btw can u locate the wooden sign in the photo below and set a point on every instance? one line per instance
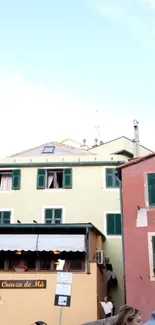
(22, 284)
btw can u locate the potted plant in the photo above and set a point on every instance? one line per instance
(20, 268)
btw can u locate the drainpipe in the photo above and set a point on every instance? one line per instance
(122, 221)
(87, 250)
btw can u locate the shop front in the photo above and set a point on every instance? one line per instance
(31, 256)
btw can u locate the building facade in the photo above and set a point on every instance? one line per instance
(55, 183)
(31, 256)
(138, 205)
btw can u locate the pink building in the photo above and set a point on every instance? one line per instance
(138, 211)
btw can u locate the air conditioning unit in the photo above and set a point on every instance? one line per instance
(100, 257)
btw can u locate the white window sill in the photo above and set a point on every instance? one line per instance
(113, 236)
(54, 190)
(10, 191)
(110, 188)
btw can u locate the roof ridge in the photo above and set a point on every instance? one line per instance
(123, 136)
(70, 139)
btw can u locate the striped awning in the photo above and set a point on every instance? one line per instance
(60, 243)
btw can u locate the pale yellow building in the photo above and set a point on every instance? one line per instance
(56, 183)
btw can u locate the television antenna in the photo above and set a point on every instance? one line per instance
(97, 127)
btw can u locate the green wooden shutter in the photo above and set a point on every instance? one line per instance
(110, 224)
(41, 178)
(16, 175)
(67, 178)
(57, 215)
(118, 224)
(151, 189)
(6, 217)
(48, 216)
(153, 250)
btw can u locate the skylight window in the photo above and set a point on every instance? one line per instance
(48, 149)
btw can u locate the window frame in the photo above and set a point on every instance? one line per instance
(43, 172)
(11, 214)
(15, 174)
(48, 152)
(105, 180)
(53, 207)
(146, 190)
(83, 267)
(105, 224)
(150, 253)
(47, 174)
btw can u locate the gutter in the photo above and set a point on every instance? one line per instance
(46, 226)
(87, 251)
(123, 249)
(61, 164)
(119, 175)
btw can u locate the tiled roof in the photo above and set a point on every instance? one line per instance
(59, 150)
(136, 160)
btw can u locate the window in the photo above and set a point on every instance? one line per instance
(48, 149)
(15, 259)
(153, 250)
(9, 180)
(2, 260)
(42, 261)
(114, 224)
(65, 261)
(5, 217)
(54, 178)
(151, 189)
(76, 265)
(111, 178)
(53, 216)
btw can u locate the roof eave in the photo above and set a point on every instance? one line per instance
(66, 228)
(60, 164)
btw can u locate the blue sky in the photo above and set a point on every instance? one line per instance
(60, 61)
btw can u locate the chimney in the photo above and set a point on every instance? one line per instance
(96, 142)
(136, 148)
(84, 142)
(84, 145)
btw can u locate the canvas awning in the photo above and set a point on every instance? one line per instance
(61, 243)
(18, 242)
(42, 243)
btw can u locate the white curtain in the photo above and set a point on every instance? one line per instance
(6, 183)
(56, 185)
(50, 180)
(52, 177)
